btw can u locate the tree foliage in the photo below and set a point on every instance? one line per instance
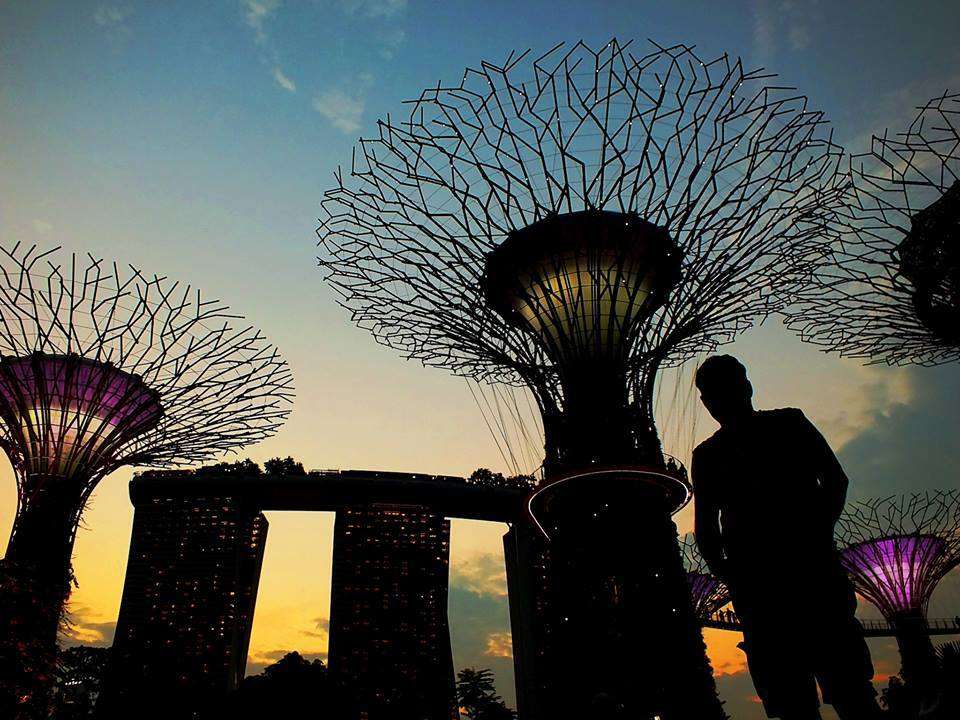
(283, 466)
(478, 697)
(292, 686)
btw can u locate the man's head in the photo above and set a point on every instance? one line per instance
(724, 388)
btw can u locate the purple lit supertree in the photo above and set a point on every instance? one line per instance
(707, 591)
(103, 366)
(570, 224)
(890, 291)
(896, 549)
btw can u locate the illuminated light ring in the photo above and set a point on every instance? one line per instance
(677, 487)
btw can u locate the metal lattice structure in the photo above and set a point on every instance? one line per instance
(707, 591)
(739, 172)
(891, 290)
(896, 549)
(103, 366)
(571, 223)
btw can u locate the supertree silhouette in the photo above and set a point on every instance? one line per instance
(896, 549)
(103, 366)
(571, 223)
(890, 291)
(707, 591)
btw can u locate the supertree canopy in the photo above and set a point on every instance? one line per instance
(896, 550)
(571, 223)
(103, 366)
(707, 591)
(890, 292)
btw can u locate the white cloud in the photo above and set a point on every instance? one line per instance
(112, 20)
(499, 645)
(374, 8)
(344, 111)
(484, 574)
(42, 227)
(764, 31)
(283, 81)
(255, 14)
(111, 16)
(391, 40)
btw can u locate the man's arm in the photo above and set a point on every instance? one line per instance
(707, 515)
(833, 480)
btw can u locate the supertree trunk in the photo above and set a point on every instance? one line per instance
(35, 588)
(918, 659)
(629, 643)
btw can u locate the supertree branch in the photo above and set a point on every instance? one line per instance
(740, 172)
(707, 592)
(898, 548)
(219, 383)
(890, 290)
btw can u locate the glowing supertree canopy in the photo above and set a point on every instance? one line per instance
(890, 292)
(103, 366)
(897, 549)
(571, 223)
(897, 574)
(68, 416)
(707, 591)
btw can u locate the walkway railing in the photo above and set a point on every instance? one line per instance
(728, 620)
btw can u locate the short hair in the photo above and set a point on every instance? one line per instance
(720, 369)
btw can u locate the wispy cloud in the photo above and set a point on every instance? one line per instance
(499, 645)
(84, 626)
(257, 14)
(321, 629)
(483, 574)
(786, 23)
(374, 8)
(283, 81)
(344, 108)
(391, 40)
(42, 227)
(112, 18)
(111, 15)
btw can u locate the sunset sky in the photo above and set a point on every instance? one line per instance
(195, 140)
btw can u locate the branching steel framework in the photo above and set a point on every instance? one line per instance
(891, 290)
(738, 170)
(898, 548)
(707, 591)
(571, 223)
(103, 366)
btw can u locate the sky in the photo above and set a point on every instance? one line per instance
(196, 140)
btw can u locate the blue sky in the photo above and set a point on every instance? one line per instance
(195, 140)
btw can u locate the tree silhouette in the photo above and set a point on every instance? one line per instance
(293, 684)
(284, 466)
(78, 676)
(238, 468)
(488, 478)
(478, 697)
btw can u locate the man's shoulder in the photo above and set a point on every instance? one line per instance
(783, 416)
(706, 446)
(778, 416)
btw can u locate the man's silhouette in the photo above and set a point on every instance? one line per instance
(768, 492)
